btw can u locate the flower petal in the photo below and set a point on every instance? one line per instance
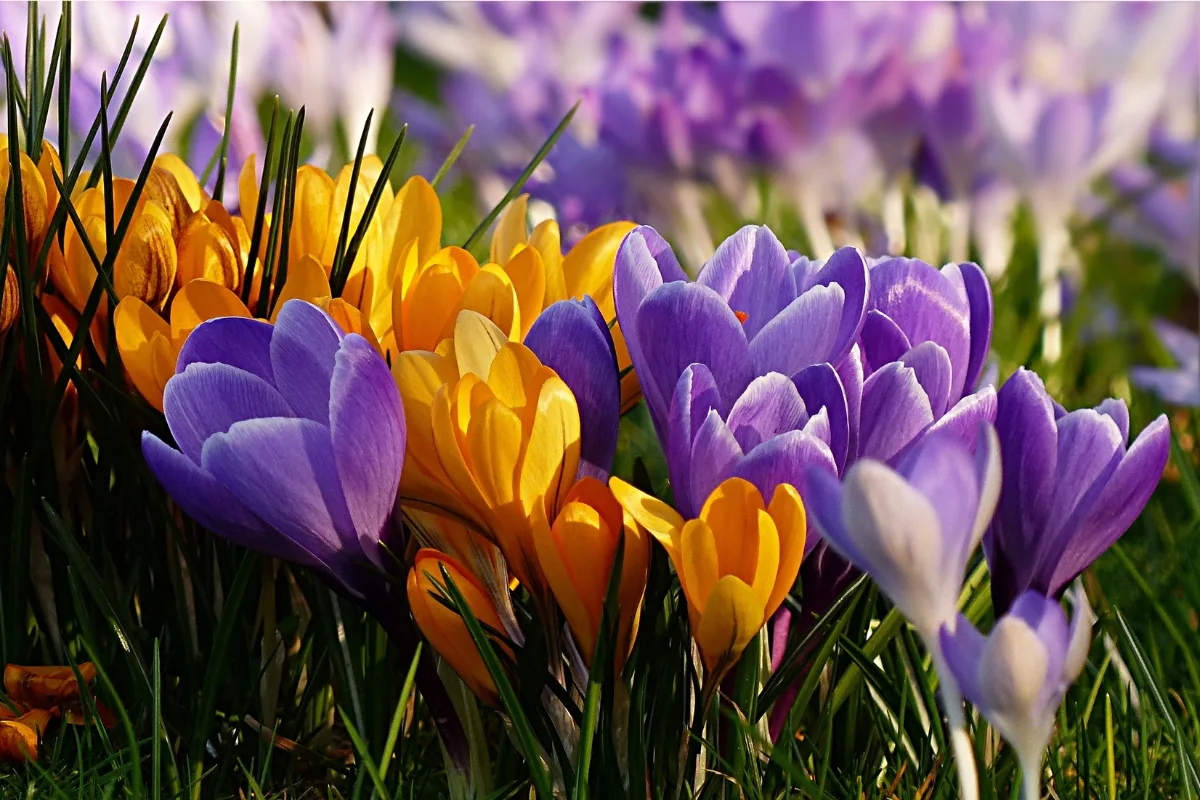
(304, 346)
(750, 270)
(895, 410)
(236, 341)
(821, 388)
(882, 340)
(731, 618)
(572, 339)
(932, 367)
(802, 334)
(714, 453)
(979, 299)
(769, 406)
(695, 396)
(847, 268)
(366, 426)
(662, 521)
(206, 399)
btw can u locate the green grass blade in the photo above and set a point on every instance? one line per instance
(261, 207)
(452, 159)
(516, 188)
(223, 158)
(364, 222)
(340, 271)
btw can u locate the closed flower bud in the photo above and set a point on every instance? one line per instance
(163, 189)
(33, 196)
(146, 264)
(444, 627)
(207, 251)
(577, 555)
(10, 306)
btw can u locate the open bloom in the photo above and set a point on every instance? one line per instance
(498, 437)
(443, 626)
(577, 554)
(913, 528)
(1017, 675)
(749, 312)
(736, 561)
(1071, 488)
(769, 436)
(291, 440)
(923, 345)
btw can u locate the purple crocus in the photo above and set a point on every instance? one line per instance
(913, 528)
(768, 437)
(1017, 676)
(749, 312)
(291, 440)
(923, 345)
(1071, 488)
(572, 338)
(1180, 385)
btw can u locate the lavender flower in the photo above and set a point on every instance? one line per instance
(1071, 488)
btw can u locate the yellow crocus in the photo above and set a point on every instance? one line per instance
(146, 264)
(576, 554)
(736, 562)
(444, 627)
(493, 438)
(34, 199)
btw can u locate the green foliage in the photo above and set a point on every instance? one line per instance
(210, 703)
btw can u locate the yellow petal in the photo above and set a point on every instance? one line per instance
(634, 571)
(492, 294)
(248, 191)
(163, 189)
(588, 268)
(477, 340)
(577, 558)
(731, 619)
(546, 240)
(305, 281)
(731, 510)
(699, 570)
(145, 266)
(787, 510)
(10, 306)
(206, 251)
(48, 166)
(185, 178)
(199, 301)
(311, 222)
(551, 459)
(766, 566)
(495, 438)
(662, 521)
(79, 264)
(516, 376)
(351, 320)
(136, 326)
(447, 446)
(511, 230)
(528, 278)
(433, 299)
(34, 198)
(416, 214)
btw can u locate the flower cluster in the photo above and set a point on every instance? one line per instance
(800, 404)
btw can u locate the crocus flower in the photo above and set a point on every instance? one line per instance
(291, 440)
(444, 627)
(736, 560)
(1071, 487)
(768, 437)
(55, 690)
(577, 554)
(924, 342)
(498, 437)
(913, 528)
(19, 735)
(1180, 385)
(1017, 675)
(36, 198)
(749, 312)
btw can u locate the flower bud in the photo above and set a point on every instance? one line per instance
(33, 197)
(146, 264)
(443, 627)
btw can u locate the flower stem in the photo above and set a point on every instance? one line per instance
(1030, 778)
(1053, 239)
(964, 752)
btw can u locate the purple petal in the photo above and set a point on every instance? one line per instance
(962, 651)
(932, 366)
(979, 299)
(714, 452)
(1116, 409)
(689, 324)
(788, 458)
(1120, 503)
(942, 469)
(284, 470)
(572, 338)
(644, 262)
(303, 349)
(821, 388)
(882, 341)
(964, 418)
(750, 270)
(894, 412)
(236, 341)
(213, 506)
(769, 406)
(823, 502)
(695, 396)
(847, 269)
(1089, 444)
(209, 398)
(850, 373)
(802, 334)
(366, 421)
(925, 304)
